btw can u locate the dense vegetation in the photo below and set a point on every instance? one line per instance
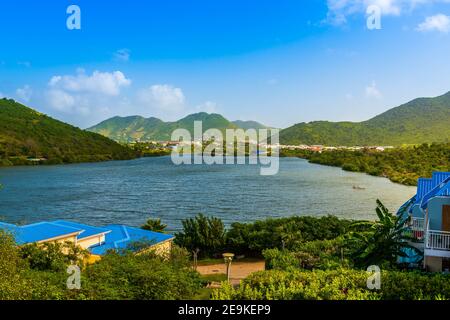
(209, 236)
(306, 258)
(422, 120)
(202, 234)
(303, 241)
(336, 269)
(35, 272)
(340, 284)
(284, 233)
(402, 165)
(151, 149)
(129, 129)
(26, 133)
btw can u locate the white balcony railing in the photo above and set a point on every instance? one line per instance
(438, 240)
(418, 228)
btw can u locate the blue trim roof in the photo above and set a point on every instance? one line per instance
(117, 237)
(442, 189)
(436, 186)
(121, 237)
(41, 231)
(424, 186)
(439, 177)
(86, 231)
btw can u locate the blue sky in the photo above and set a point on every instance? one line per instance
(277, 62)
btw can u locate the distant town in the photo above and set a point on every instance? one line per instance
(314, 148)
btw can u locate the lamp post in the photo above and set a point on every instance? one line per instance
(228, 257)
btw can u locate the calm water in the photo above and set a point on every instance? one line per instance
(128, 192)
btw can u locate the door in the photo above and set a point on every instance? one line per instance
(446, 218)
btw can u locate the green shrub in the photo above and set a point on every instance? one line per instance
(204, 233)
(287, 233)
(140, 277)
(50, 256)
(342, 284)
(280, 259)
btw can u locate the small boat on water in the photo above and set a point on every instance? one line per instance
(358, 188)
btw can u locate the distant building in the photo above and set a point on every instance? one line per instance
(429, 211)
(97, 240)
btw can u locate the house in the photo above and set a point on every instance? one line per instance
(121, 237)
(429, 212)
(97, 240)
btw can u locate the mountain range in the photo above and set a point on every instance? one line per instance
(26, 133)
(423, 120)
(137, 128)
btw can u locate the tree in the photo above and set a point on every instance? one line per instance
(154, 225)
(204, 233)
(385, 241)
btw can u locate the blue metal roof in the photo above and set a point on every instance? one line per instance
(443, 189)
(41, 231)
(86, 231)
(424, 186)
(121, 237)
(116, 236)
(439, 177)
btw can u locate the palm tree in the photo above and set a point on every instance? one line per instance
(385, 240)
(154, 225)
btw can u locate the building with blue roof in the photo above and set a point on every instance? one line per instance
(429, 210)
(41, 232)
(98, 240)
(124, 238)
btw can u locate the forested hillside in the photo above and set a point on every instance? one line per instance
(423, 120)
(26, 133)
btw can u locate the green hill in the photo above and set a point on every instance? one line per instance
(26, 133)
(249, 125)
(127, 129)
(419, 121)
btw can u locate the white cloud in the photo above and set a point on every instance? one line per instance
(208, 106)
(373, 92)
(163, 96)
(60, 100)
(339, 10)
(80, 94)
(107, 83)
(24, 94)
(122, 55)
(439, 22)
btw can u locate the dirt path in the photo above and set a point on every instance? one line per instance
(239, 270)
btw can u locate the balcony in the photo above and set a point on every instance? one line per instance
(437, 241)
